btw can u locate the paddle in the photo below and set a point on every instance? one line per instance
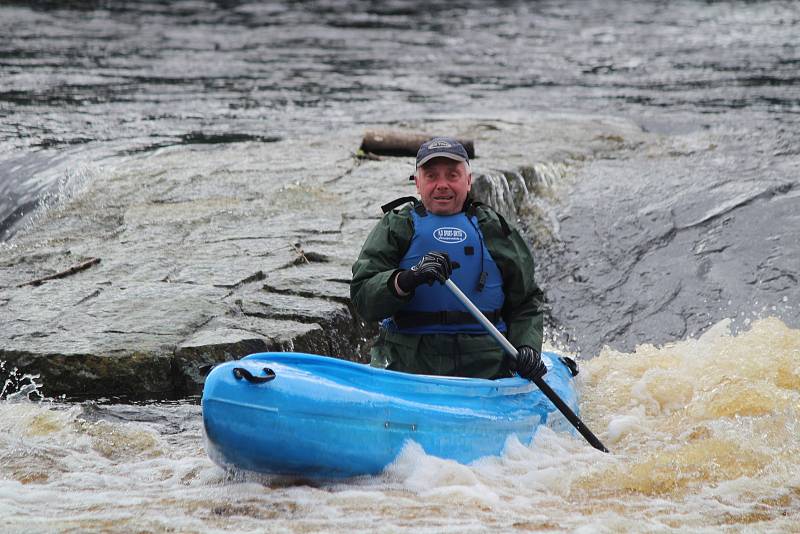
(512, 351)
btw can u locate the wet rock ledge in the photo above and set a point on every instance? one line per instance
(196, 255)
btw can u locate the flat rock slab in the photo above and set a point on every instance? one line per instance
(186, 239)
(312, 279)
(291, 307)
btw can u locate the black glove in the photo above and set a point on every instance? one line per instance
(529, 363)
(432, 267)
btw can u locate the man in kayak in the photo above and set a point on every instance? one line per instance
(445, 234)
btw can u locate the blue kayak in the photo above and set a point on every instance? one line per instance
(313, 416)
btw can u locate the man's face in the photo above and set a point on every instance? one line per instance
(443, 184)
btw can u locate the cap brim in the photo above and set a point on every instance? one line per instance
(449, 155)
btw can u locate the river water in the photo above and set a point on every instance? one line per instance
(704, 438)
(678, 254)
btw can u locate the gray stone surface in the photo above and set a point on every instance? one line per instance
(231, 338)
(208, 253)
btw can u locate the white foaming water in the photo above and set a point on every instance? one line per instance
(704, 437)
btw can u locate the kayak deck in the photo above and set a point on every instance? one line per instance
(325, 417)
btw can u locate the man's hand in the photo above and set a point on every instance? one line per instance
(432, 267)
(529, 363)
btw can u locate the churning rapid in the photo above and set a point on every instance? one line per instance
(656, 153)
(704, 433)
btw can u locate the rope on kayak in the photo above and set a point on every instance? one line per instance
(241, 372)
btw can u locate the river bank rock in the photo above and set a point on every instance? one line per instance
(210, 253)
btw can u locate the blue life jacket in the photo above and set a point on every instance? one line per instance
(434, 309)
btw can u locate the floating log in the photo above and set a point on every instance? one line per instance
(394, 143)
(72, 270)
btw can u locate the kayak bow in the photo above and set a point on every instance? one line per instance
(320, 417)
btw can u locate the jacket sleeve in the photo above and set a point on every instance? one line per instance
(379, 259)
(523, 307)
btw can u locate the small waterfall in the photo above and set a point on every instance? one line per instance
(545, 175)
(494, 190)
(526, 193)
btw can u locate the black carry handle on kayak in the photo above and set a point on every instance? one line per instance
(512, 351)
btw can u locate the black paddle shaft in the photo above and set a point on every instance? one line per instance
(512, 351)
(570, 415)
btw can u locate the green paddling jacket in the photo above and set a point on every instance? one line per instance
(477, 356)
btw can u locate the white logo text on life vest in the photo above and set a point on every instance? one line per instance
(449, 235)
